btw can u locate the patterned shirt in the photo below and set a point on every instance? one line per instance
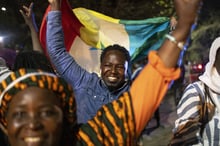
(113, 125)
(192, 117)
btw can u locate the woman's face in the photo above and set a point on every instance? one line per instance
(34, 118)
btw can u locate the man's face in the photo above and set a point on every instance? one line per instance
(113, 69)
(34, 118)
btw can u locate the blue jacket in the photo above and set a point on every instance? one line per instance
(90, 90)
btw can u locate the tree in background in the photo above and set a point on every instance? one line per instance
(208, 29)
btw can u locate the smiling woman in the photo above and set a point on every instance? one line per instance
(36, 108)
(34, 118)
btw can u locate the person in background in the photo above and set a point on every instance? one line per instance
(178, 85)
(33, 58)
(9, 56)
(29, 17)
(4, 72)
(30, 121)
(4, 69)
(198, 110)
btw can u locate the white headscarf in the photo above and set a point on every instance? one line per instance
(211, 77)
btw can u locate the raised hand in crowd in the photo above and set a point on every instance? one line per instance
(29, 17)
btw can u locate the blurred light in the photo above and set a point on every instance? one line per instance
(3, 8)
(1, 39)
(199, 66)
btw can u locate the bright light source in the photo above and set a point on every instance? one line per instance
(199, 66)
(1, 39)
(3, 8)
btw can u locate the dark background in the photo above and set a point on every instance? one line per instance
(16, 33)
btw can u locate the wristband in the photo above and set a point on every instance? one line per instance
(171, 38)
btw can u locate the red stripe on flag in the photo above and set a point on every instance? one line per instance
(71, 25)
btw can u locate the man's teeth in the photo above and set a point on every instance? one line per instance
(112, 78)
(32, 139)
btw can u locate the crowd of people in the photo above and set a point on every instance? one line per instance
(54, 101)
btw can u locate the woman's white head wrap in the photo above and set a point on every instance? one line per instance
(211, 77)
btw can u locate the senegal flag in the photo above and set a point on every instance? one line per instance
(88, 32)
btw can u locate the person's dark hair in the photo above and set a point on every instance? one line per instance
(32, 60)
(3, 138)
(118, 48)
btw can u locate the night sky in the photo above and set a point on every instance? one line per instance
(11, 19)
